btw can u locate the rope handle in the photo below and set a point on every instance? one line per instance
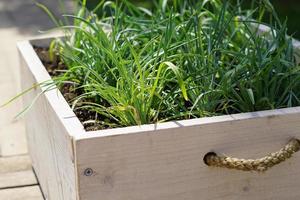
(259, 165)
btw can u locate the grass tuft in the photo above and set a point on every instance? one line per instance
(178, 60)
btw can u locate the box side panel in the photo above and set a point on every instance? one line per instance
(50, 144)
(296, 45)
(168, 164)
(263, 29)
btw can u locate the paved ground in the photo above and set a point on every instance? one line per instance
(19, 20)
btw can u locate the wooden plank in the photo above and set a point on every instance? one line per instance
(23, 193)
(16, 179)
(12, 132)
(15, 163)
(49, 138)
(167, 163)
(148, 162)
(16, 171)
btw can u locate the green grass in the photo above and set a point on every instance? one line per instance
(178, 60)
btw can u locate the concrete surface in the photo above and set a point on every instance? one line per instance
(19, 20)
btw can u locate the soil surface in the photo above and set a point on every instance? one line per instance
(56, 67)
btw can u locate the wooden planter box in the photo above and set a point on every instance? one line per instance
(153, 162)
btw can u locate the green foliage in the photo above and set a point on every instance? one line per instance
(178, 60)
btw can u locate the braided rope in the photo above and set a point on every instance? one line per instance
(260, 165)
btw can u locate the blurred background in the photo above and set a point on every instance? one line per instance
(287, 9)
(22, 19)
(19, 20)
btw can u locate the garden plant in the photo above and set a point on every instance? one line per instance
(143, 102)
(177, 59)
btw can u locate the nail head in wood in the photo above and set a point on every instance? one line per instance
(88, 172)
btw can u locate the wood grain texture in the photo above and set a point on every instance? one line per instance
(16, 171)
(22, 193)
(153, 162)
(15, 163)
(49, 130)
(15, 179)
(167, 163)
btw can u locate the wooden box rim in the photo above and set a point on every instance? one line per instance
(75, 128)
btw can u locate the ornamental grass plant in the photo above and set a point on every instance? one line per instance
(178, 59)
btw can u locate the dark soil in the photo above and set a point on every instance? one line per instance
(55, 68)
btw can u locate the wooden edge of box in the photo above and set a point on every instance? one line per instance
(54, 96)
(51, 142)
(168, 162)
(80, 137)
(76, 129)
(190, 122)
(205, 120)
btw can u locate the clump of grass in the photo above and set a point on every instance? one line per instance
(178, 60)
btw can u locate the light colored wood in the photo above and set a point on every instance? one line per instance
(22, 193)
(15, 179)
(16, 171)
(12, 132)
(167, 163)
(50, 128)
(160, 162)
(15, 163)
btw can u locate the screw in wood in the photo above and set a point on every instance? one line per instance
(88, 172)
